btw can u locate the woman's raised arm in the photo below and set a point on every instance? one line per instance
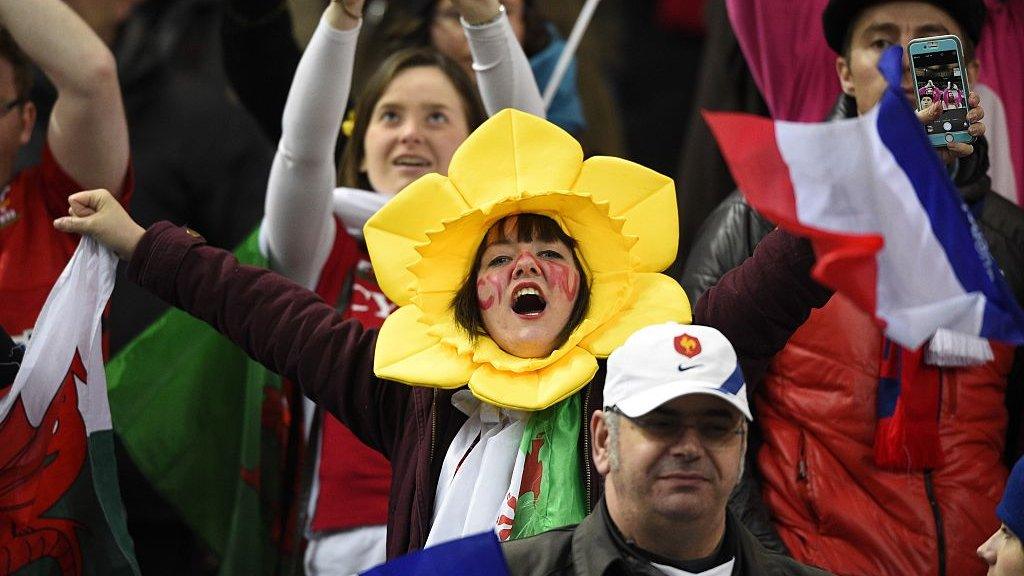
(298, 228)
(502, 70)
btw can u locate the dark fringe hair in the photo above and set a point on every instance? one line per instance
(466, 306)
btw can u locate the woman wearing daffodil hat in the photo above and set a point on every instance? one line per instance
(516, 275)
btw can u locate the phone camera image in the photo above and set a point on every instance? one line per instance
(940, 79)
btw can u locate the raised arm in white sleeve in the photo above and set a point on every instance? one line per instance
(503, 73)
(298, 228)
(87, 130)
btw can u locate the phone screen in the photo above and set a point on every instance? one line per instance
(940, 78)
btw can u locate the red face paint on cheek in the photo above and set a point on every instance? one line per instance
(489, 289)
(483, 295)
(563, 277)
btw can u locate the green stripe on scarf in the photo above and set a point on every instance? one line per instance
(551, 445)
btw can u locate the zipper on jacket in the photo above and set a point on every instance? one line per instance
(801, 464)
(586, 444)
(433, 427)
(937, 514)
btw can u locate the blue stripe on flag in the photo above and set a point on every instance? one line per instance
(888, 393)
(966, 249)
(478, 555)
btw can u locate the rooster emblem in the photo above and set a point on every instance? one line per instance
(687, 345)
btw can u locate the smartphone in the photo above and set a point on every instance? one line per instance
(940, 75)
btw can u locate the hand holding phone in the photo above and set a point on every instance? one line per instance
(940, 78)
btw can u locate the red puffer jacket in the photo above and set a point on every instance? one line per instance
(832, 506)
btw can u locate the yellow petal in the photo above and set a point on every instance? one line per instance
(609, 293)
(513, 152)
(406, 352)
(486, 351)
(641, 196)
(396, 230)
(534, 390)
(656, 298)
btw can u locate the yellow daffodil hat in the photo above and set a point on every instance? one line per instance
(423, 241)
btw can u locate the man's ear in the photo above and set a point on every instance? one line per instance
(600, 448)
(28, 122)
(845, 76)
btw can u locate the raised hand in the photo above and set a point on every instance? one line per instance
(975, 115)
(477, 11)
(345, 14)
(98, 214)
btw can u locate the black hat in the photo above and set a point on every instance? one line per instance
(841, 14)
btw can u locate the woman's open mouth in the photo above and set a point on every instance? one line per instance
(411, 161)
(528, 301)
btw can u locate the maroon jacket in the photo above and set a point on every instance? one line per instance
(294, 333)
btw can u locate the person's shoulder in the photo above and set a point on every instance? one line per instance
(545, 554)
(998, 205)
(1003, 217)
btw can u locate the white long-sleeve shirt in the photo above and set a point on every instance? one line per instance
(298, 229)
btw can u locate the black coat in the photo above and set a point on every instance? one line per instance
(589, 549)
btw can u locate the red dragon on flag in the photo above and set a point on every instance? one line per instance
(38, 464)
(60, 505)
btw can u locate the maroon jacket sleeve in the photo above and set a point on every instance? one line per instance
(760, 303)
(282, 325)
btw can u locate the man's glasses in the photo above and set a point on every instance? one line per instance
(715, 431)
(5, 109)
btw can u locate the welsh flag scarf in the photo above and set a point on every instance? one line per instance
(550, 490)
(513, 472)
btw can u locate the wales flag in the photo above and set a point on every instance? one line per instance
(213, 432)
(60, 507)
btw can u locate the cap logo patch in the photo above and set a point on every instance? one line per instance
(687, 345)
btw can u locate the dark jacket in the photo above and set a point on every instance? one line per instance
(10, 360)
(590, 549)
(293, 332)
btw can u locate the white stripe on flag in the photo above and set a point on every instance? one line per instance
(846, 181)
(70, 320)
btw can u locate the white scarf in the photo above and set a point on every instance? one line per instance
(355, 207)
(479, 470)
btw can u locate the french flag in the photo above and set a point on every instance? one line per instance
(888, 227)
(477, 555)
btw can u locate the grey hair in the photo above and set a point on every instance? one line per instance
(743, 458)
(611, 420)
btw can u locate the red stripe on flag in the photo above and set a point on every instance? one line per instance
(749, 147)
(845, 262)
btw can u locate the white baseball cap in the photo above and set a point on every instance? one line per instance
(663, 362)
